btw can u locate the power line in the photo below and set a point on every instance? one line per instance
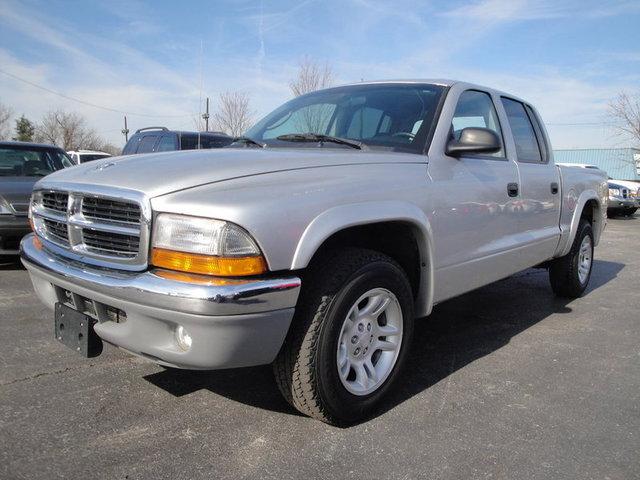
(83, 102)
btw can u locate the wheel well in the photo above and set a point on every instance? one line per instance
(588, 211)
(395, 239)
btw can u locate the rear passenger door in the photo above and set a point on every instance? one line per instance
(539, 210)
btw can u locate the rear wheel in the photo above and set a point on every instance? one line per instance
(630, 211)
(569, 275)
(349, 337)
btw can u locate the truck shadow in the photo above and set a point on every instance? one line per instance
(458, 332)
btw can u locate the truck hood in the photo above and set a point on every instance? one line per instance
(162, 173)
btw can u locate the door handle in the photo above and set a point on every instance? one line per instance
(554, 188)
(512, 189)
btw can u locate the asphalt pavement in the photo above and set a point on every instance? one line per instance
(505, 382)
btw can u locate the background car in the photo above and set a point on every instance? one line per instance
(161, 139)
(634, 189)
(82, 156)
(620, 200)
(21, 166)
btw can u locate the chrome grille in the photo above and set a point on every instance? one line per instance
(56, 201)
(107, 243)
(104, 227)
(57, 231)
(111, 210)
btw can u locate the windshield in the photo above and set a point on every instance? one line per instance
(36, 162)
(387, 116)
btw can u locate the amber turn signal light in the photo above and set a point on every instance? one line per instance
(207, 264)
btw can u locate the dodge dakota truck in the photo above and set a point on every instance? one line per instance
(315, 241)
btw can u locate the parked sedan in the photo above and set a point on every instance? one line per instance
(21, 166)
(621, 202)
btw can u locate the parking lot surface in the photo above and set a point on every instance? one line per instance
(504, 382)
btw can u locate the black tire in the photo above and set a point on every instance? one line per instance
(563, 271)
(306, 369)
(629, 212)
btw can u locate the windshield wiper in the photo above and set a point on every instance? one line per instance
(249, 141)
(317, 137)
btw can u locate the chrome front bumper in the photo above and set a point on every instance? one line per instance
(232, 322)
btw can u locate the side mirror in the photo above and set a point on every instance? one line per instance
(474, 140)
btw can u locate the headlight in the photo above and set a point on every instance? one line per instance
(614, 192)
(205, 246)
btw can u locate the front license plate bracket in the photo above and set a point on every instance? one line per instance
(75, 330)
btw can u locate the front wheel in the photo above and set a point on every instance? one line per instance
(349, 337)
(569, 275)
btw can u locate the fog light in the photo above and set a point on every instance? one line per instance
(183, 338)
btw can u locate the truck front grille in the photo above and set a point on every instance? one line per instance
(57, 231)
(111, 210)
(106, 243)
(108, 231)
(56, 201)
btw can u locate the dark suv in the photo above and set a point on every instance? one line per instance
(161, 139)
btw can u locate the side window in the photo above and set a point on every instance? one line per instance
(524, 136)
(167, 143)
(188, 142)
(476, 109)
(537, 126)
(147, 143)
(131, 145)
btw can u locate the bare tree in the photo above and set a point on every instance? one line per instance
(67, 130)
(5, 121)
(234, 115)
(312, 76)
(625, 111)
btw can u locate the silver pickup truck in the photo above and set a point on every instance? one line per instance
(315, 241)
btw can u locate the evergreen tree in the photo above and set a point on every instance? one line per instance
(24, 129)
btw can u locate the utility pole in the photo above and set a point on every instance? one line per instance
(205, 115)
(125, 130)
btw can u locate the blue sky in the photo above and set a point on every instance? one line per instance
(158, 58)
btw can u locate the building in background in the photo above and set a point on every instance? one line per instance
(619, 163)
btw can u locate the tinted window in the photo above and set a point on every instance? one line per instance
(214, 142)
(89, 157)
(537, 126)
(380, 116)
(147, 143)
(18, 162)
(524, 136)
(167, 143)
(476, 109)
(188, 142)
